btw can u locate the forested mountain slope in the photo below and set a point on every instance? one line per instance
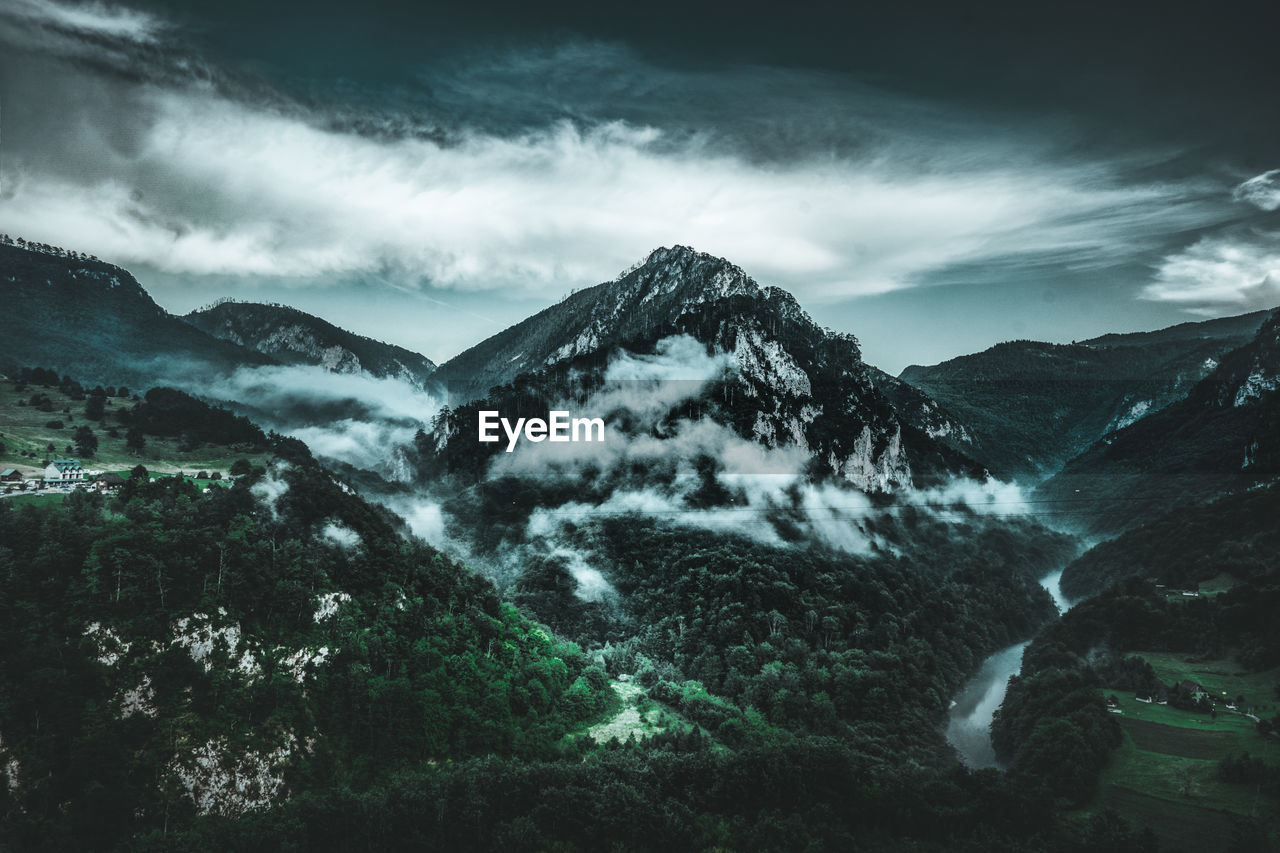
(294, 337)
(1032, 406)
(1224, 435)
(169, 655)
(94, 321)
(1236, 535)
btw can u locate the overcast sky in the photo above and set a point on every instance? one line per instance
(933, 179)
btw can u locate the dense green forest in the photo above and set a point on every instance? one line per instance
(184, 670)
(806, 795)
(279, 665)
(824, 642)
(1235, 534)
(165, 647)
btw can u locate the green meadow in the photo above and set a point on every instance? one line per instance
(1164, 774)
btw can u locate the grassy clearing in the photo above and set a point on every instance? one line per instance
(639, 717)
(1165, 715)
(1177, 740)
(26, 437)
(45, 499)
(1222, 677)
(1217, 585)
(1164, 774)
(1185, 781)
(1177, 826)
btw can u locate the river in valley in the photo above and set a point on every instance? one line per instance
(969, 720)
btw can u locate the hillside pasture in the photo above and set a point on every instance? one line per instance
(25, 438)
(1176, 825)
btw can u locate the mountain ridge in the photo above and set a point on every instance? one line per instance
(94, 320)
(293, 336)
(1229, 327)
(1034, 405)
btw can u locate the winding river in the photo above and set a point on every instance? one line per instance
(969, 720)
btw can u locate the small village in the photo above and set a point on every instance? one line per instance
(58, 436)
(1187, 695)
(59, 475)
(63, 476)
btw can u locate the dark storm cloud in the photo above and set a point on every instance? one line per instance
(1137, 69)
(835, 153)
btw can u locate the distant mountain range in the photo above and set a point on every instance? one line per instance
(1223, 434)
(1234, 330)
(1192, 401)
(1032, 406)
(95, 321)
(294, 337)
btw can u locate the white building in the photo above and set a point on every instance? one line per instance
(63, 472)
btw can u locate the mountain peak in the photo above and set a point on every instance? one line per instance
(790, 382)
(685, 265)
(672, 290)
(677, 253)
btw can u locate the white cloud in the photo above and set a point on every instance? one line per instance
(1217, 272)
(653, 471)
(106, 20)
(679, 358)
(353, 417)
(988, 497)
(590, 582)
(423, 515)
(341, 535)
(272, 487)
(212, 187)
(1262, 191)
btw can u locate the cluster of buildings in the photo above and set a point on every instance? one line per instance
(66, 474)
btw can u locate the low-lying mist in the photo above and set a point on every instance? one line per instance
(547, 501)
(356, 419)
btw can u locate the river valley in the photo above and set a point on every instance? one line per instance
(969, 720)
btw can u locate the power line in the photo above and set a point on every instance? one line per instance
(1076, 507)
(955, 505)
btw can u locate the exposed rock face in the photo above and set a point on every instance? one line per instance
(227, 782)
(792, 383)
